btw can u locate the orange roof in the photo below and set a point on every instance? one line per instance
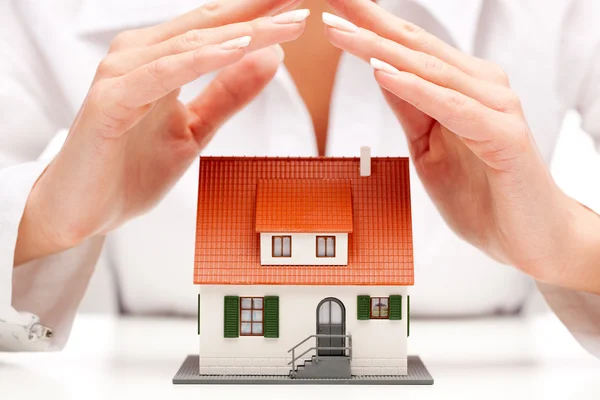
(304, 205)
(380, 247)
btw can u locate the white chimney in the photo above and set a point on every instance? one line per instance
(365, 161)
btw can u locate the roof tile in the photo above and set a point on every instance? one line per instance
(304, 205)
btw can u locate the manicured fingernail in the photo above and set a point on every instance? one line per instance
(291, 17)
(279, 51)
(339, 23)
(383, 66)
(238, 43)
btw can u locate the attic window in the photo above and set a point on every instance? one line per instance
(326, 246)
(282, 246)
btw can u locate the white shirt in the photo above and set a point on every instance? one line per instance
(48, 55)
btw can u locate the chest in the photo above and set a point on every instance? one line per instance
(312, 63)
(340, 93)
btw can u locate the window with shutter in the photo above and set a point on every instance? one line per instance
(271, 316)
(395, 307)
(231, 317)
(363, 305)
(252, 316)
(380, 308)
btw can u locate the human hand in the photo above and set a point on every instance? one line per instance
(472, 147)
(132, 139)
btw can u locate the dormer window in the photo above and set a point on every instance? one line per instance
(314, 214)
(326, 246)
(282, 246)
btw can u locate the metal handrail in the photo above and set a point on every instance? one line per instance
(300, 356)
(317, 348)
(318, 336)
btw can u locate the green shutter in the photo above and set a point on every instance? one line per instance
(408, 316)
(198, 314)
(271, 316)
(231, 317)
(395, 307)
(363, 307)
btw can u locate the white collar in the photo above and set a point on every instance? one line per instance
(459, 17)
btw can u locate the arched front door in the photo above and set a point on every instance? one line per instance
(331, 320)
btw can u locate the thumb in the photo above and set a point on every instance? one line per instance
(232, 89)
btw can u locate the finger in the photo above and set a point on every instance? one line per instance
(295, 4)
(495, 138)
(153, 81)
(231, 90)
(213, 14)
(369, 15)
(460, 114)
(366, 45)
(265, 32)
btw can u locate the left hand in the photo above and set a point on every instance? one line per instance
(472, 146)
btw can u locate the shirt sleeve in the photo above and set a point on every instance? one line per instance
(579, 76)
(37, 300)
(48, 290)
(580, 89)
(579, 312)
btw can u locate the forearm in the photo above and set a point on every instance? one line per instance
(31, 243)
(36, 238)
(49, 287)
(578, 267)
(587, 264)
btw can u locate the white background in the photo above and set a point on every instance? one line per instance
(576, 164)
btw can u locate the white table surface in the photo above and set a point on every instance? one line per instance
(134, 358)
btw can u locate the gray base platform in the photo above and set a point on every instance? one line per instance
(188, 375)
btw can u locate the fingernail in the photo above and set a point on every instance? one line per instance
(291, 17)
(279, 51)
(238, 43)
(383, 66)
(339, 23)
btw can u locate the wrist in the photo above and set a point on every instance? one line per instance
(578, 250)
(37, 235)
(587, 263)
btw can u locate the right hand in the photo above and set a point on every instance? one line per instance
(132, 139)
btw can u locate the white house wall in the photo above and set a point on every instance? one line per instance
(304, 249)
(379, 346)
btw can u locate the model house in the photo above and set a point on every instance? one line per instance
(303, 266)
